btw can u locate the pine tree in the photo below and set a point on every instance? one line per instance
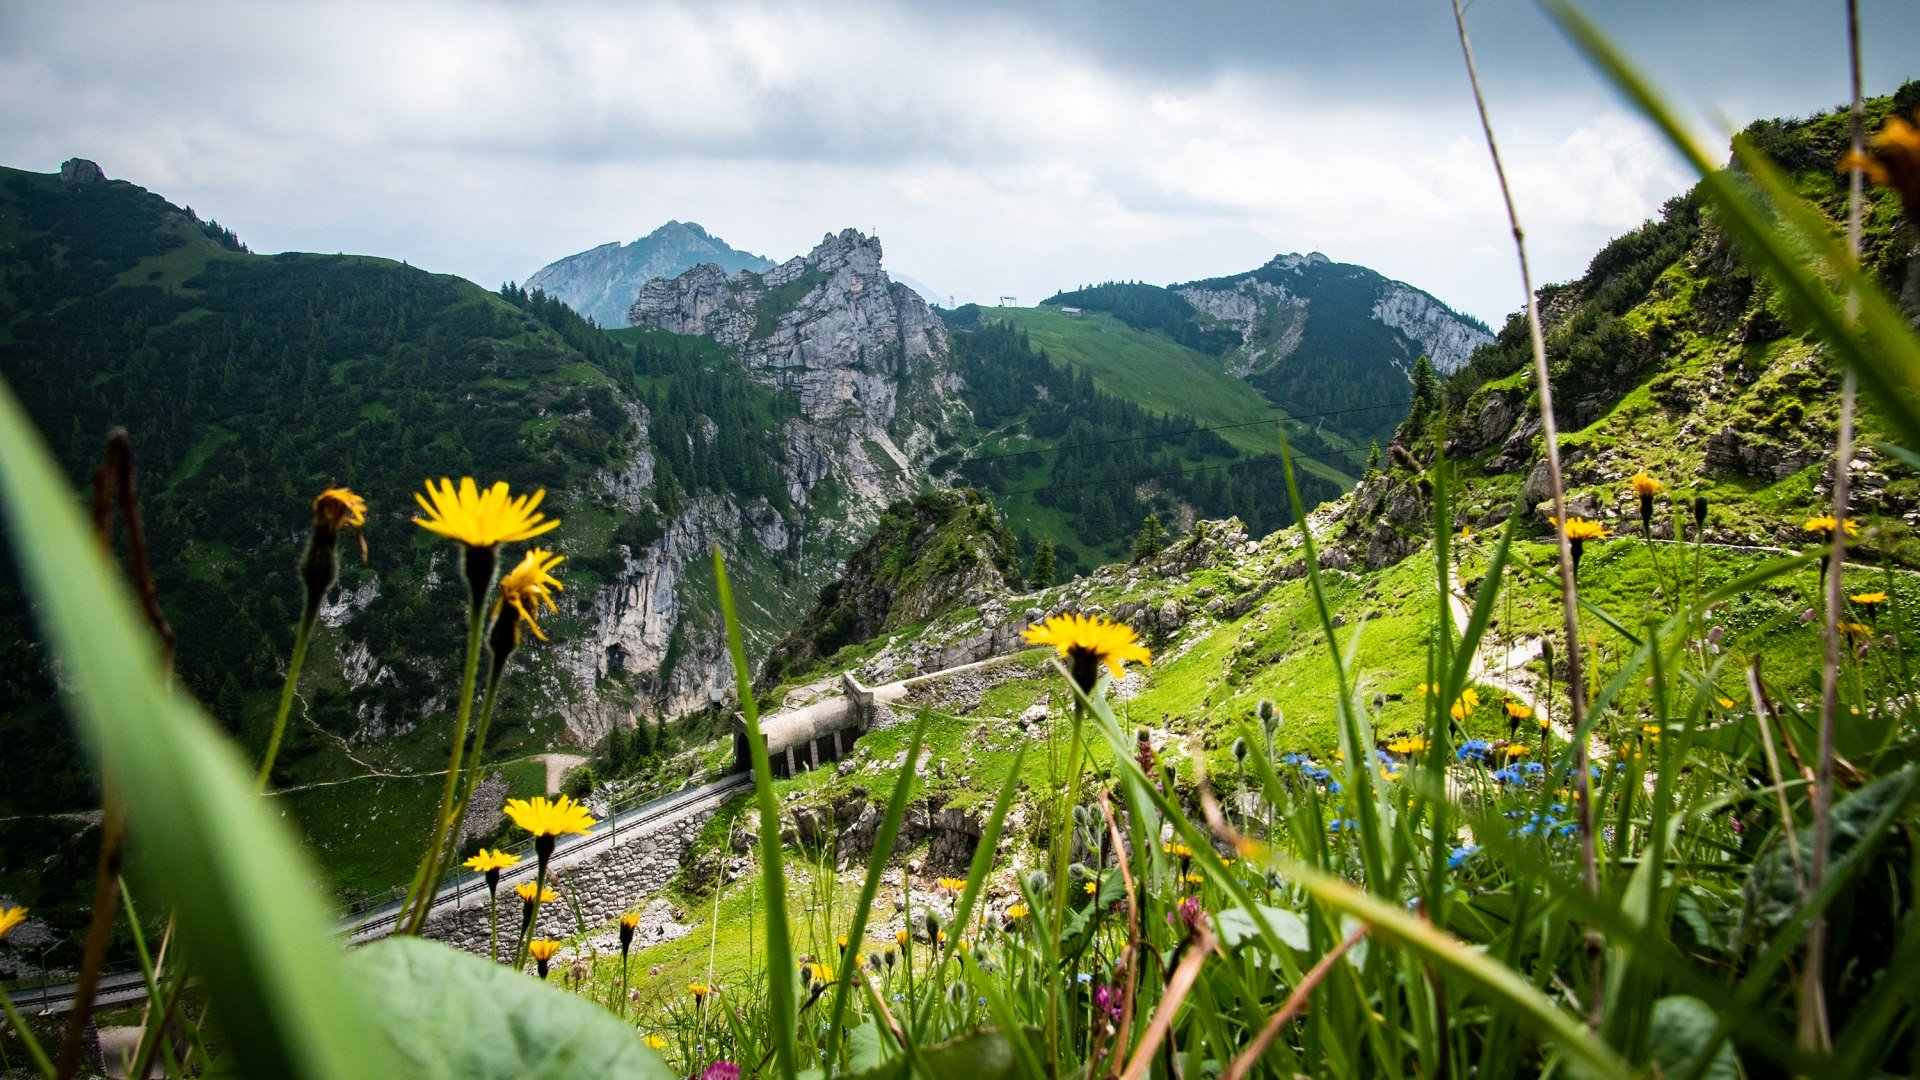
(1426, 388)
(1150, 539)
(1041, 576)
(1373, 460)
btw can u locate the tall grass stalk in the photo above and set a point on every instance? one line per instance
(1815, 1028)
(780, 967)
(1550, 440)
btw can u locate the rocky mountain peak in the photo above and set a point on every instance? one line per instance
(601, 282)
(81, 171)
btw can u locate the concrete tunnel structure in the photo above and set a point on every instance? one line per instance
(819, 733)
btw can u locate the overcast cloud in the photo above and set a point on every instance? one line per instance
(997, 149)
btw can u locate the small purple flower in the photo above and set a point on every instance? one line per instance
(721, 1070)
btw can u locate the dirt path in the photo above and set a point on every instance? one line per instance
(557, 766)
(1505, 669)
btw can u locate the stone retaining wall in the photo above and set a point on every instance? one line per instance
(605, 881)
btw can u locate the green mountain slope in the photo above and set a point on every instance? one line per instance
(1151, 370)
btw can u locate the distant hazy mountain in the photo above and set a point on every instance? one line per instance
(601, 283)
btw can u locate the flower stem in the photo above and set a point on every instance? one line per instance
(1063, 852)
(526, 932)
(294, 663)
(421, 901)
(450, 845)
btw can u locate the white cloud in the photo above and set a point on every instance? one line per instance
(992, 154)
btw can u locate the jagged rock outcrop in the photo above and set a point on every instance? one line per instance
(81, 171)
(829, 326)
(601, 282)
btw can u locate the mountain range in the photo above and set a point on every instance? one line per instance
(773, 411)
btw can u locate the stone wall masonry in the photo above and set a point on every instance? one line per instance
(605, 881)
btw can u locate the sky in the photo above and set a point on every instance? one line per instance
(996, 148)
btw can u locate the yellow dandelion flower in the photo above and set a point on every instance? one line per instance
(526, 586)
(526, 889)
(1822, 527)
(1869, 599)
(1429, 689)
(1651, 731)
(1177, 849)
(1468, 701)
(1726, 702)
(1091, 887)
(1514, 750)
(10, 918)
(699, 990)
(338, 508)
(490, 860)
(1645, 485)
(1086, 643)
(481, 519)
(1546, 724)
(1194, 879)
(951, 884)
(1892, 160)
(654, 1042)
(1411, 744)
(542, 949)
(900, 938)
(1518, 710)
(1017, 911)
(1853, 629)
(630, 920)
(549, 819)
(1579, 528)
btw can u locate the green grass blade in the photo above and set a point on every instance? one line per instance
(1500, 982)
(876, 866)
(260, 938)
(780, 988)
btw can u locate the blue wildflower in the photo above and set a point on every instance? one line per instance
(1477, 750)
(1458, 857)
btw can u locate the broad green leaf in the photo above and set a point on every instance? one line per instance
(1237, 928)
(984, 1056)
(1684, 1029)
(259, 938)
(454, 1015)
(1774, 895)
(864, 1048)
